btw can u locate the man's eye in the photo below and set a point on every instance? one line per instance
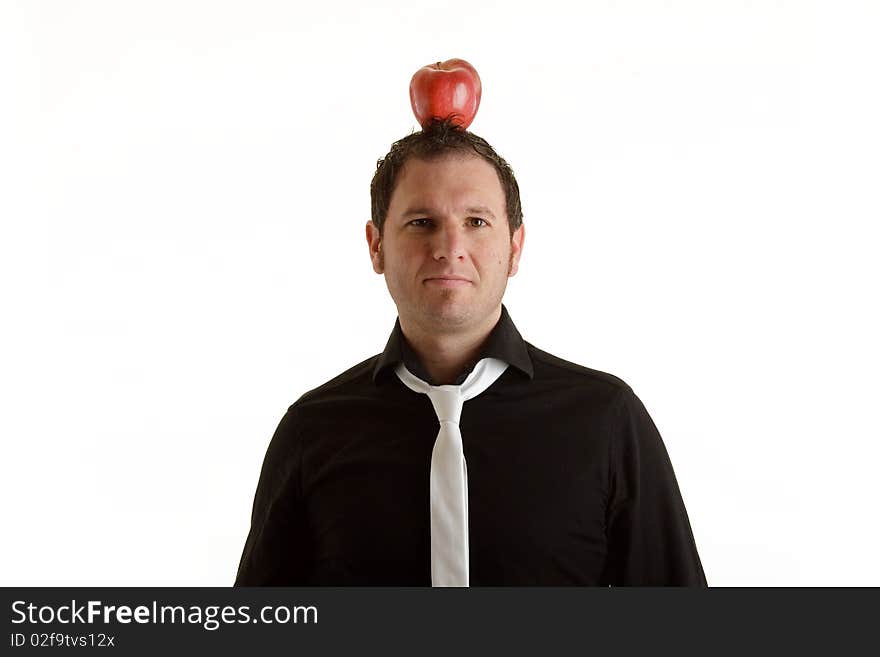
(418, 224)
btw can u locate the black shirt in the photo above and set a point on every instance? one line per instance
(568, 480)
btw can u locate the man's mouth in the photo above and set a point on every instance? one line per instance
(448, 282)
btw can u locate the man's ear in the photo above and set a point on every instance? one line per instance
(516, 245)
(374, 241)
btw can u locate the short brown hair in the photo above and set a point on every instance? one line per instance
(438, 139)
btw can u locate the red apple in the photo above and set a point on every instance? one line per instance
(449, 89)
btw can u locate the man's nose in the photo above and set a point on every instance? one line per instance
(449, 240)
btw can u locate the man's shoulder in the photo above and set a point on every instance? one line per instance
(355, 377)
(548, 365)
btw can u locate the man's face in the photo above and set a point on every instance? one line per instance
(447, 218)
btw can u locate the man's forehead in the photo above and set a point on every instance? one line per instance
(477, 195)
(451, 158)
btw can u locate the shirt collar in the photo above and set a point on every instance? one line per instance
(504, 342)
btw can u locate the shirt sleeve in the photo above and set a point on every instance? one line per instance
(650, 542)
(276, 552)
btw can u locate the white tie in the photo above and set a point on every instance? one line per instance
(449, 496)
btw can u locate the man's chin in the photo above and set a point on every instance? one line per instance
(448, 312)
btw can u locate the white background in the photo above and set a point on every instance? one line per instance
(183, 192)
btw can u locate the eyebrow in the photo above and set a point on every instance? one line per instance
(479, 209)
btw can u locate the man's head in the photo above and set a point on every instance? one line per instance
(445, 205)
(437, 140)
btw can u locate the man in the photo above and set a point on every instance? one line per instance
(560, 476)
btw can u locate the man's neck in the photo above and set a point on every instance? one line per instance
(445, 355)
